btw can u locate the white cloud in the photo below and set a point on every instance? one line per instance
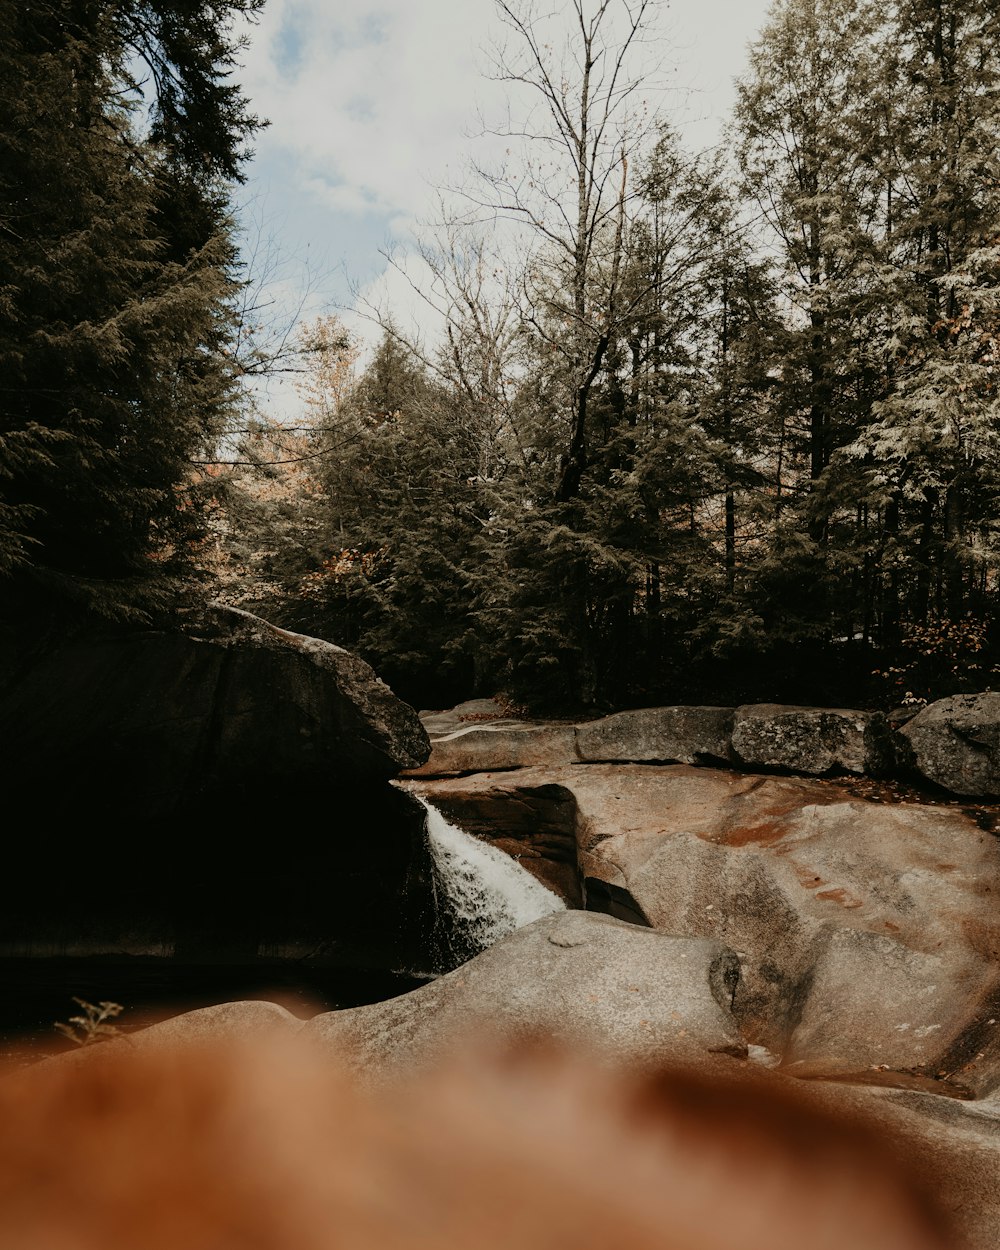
(369, 100)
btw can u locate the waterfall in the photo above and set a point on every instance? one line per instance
(482, 894)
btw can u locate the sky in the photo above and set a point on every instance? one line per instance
(374, 103)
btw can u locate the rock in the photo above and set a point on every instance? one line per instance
(633, 994)
(795, 739)
(859, 926)
(877, 1004)
(488, 747)
(254, 1019)
(231, 701)
(216, 792)
(957, 1142)
(686, 735)
(956, 743)
(809, 739)
(465, 714)
(868, 934)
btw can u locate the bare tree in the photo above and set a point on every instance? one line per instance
(468, 330)
(566, 179)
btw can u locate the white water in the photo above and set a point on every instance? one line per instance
(487, 892)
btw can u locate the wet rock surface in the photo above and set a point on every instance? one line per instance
(868, 935)
(535, 825)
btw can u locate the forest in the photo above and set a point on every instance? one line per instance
(688, 427)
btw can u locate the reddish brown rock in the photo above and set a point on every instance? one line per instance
(868, 934)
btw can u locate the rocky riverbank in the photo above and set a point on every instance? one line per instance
(953, 744)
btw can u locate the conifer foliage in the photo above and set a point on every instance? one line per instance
(740, 413)
(120, 133)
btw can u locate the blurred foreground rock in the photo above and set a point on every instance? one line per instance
(642, 1000)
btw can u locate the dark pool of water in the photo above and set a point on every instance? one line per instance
(36, 993)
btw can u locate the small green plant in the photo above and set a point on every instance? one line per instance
(93, 1025)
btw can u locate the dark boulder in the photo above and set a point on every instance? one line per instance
(217, 791)
(229, 701)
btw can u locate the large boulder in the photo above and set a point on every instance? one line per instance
(809, 739)
(956, 743)
(867, 933)
(228, 701)
(213, 791)
(635, 995)
(683, 735)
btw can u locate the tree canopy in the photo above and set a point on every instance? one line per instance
(697, 426)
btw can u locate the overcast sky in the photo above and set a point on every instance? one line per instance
(373, 102)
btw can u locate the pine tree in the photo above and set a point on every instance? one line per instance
(117, 270)
(869, 141)
(397, 518)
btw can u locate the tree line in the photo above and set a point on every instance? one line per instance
(700, 425)
(689, 426)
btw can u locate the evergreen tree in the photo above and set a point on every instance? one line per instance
(399, 517)
(868, 141)
(932, 447)
(808, 143)
(116, 275)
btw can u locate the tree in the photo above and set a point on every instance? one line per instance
(932, 446)
(116, 276)
(264, 493)
(866, 140)
(568, 184)
(394, 553)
